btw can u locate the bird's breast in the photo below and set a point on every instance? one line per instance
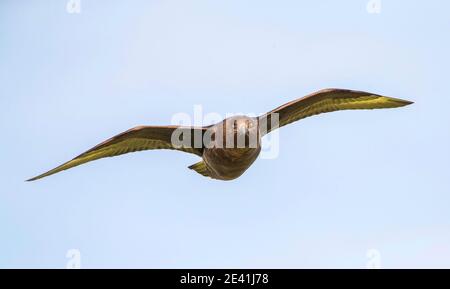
(229, 163)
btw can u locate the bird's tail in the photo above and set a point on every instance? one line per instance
(201, 168)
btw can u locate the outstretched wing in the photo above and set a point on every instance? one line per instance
(326, 100)
(137, 139)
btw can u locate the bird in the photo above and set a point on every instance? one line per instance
(228, 148)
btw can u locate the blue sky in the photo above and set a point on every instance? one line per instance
(344, 183)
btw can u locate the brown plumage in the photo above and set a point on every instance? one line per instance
(230, 147)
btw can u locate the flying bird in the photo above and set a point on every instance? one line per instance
(229, 147)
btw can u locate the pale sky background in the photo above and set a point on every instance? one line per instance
(344, 183)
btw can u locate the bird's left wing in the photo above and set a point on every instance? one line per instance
(326, 100)
(137, 139)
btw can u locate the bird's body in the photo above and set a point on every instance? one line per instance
(230, 147)
(229, 164)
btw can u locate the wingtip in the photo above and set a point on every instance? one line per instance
(402, 102)
(35, 178)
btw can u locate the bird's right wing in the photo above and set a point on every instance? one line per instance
(138, 139)
(326, 100)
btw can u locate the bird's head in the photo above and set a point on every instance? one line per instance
(234, 132)
(244, 131)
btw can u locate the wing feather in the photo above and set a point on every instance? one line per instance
(327, 100)
(133, 140)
